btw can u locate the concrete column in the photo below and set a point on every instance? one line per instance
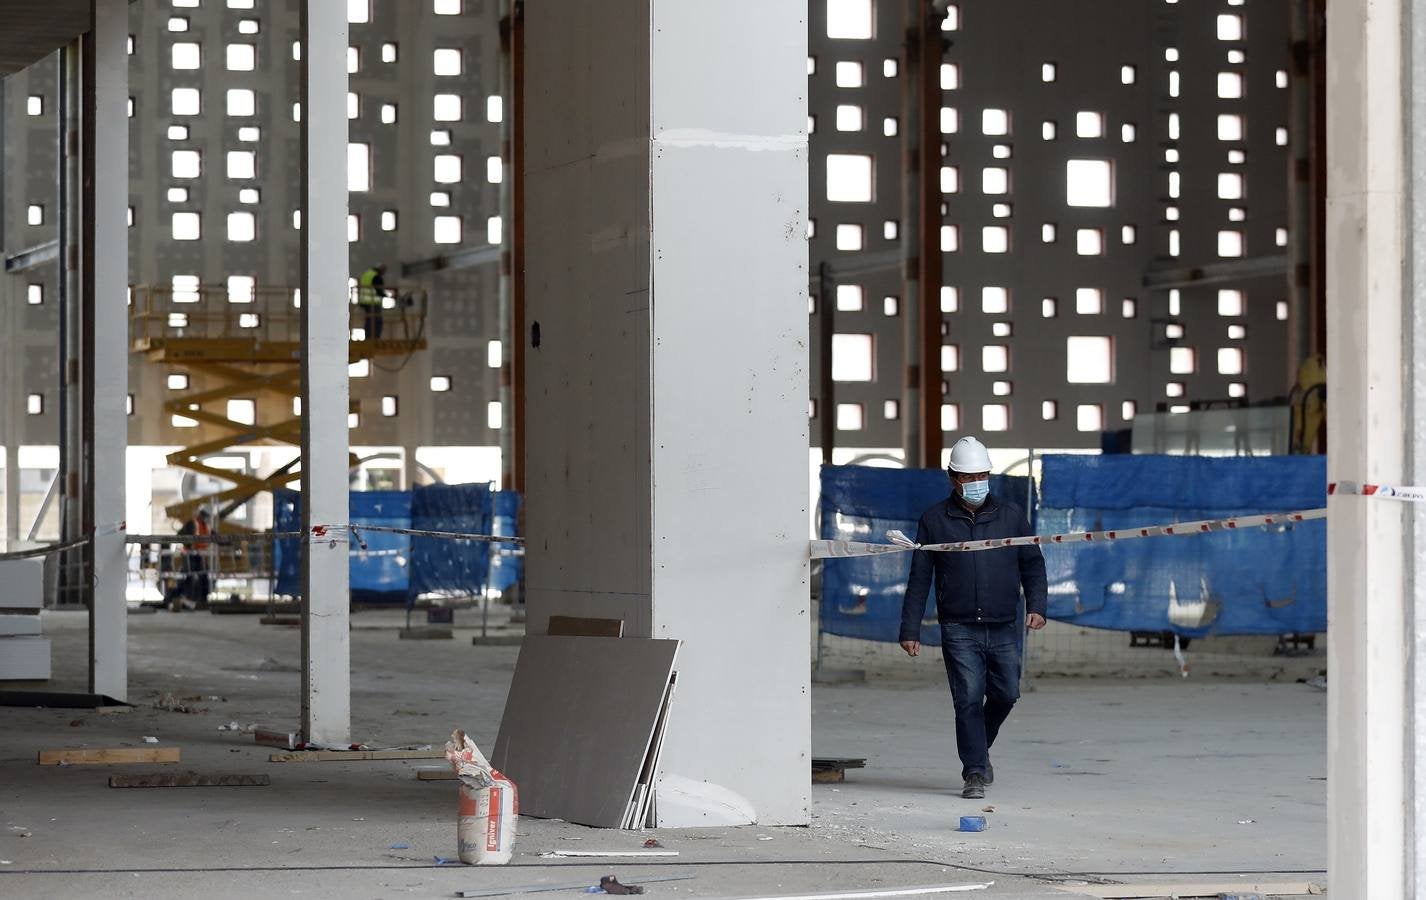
(1373, 324)
(106, 326)
(666, 271)
(1414, 332)
(12, 480)
(326, 600)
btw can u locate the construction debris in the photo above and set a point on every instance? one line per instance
(175, 704)
(571, 886)
(833, 770)
(353, 755)
(191, 779)
(486, 811)
(610, 885)
(287, 740)
(563, 854)
(1200, 889)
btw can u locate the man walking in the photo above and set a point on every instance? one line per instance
(977, 605)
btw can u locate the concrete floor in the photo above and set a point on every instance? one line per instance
(1097, 780)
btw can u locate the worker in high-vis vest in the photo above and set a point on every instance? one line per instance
(370, 294)
(191, 590)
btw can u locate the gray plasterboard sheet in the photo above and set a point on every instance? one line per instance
(25, 658)
(21, 583)
(578, 722)
(18, 624)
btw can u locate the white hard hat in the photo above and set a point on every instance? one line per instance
(969, 456)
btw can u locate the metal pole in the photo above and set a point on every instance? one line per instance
(1299, 193)
(911, 423)
(827, 390)
(921, 234)
(70, 584)
(326, 566)
(515, 235)
(1027, 681)
(508, 337)
(928, 212)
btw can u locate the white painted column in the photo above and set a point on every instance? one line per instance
(1372, 323)
(666, 270)
(107, 228)
(12, 476)
(326, 600)
(1414, 328)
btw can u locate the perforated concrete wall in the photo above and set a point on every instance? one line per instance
(1200, 178)
(214, 190)
(1085, 143)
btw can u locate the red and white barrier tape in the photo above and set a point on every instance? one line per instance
(901, 544)
(1408, 493)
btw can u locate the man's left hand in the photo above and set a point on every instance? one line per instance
(1034, 621)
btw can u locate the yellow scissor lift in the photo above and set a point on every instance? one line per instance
(241, 346)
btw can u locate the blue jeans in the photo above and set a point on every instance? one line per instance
(983, 667)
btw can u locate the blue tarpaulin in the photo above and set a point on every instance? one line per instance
(1268, 580)
(441, 564)
(378, 574)
(395, 568)
(1265, 580)
(506, 565)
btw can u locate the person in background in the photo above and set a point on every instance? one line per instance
(371, 293)
(191, 591)
(977, 605)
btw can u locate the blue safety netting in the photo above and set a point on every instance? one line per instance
(444, 565)
(1268, 580)
(396, 568)
(1265, 580)
(861, 596)
(507, 565)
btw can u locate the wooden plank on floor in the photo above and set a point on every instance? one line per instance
(578, 626)
(429, 773)
(191, 779)
(1151, 891)
(578, 723)
(353, 755)
(109, 756)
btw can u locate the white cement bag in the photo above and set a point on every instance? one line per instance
(488, 809)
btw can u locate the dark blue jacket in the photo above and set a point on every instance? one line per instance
(979, 586)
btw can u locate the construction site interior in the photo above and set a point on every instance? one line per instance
(480, 447)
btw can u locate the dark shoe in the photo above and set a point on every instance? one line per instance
(989, 773)
(975, 787)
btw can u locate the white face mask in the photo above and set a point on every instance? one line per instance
(974, 492)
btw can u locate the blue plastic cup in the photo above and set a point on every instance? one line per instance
(972, 823)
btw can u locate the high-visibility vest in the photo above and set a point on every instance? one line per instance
(366, 290)
(201, 529)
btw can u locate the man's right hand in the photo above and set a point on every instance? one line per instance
(912, 648)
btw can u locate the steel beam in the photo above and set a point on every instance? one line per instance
(1216, 273)
(464, 258)
(32, 258)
